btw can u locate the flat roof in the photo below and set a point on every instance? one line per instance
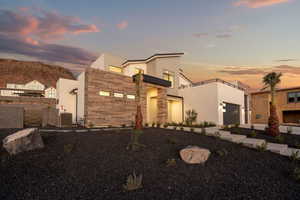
(153, 57)
(278, 90)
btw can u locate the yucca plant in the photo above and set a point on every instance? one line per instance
(133, 182)
(191, 117)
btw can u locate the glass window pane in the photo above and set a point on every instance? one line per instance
(115, 69)
(103, 93)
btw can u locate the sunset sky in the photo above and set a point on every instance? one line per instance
(228, 39)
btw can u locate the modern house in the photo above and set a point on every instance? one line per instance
(287, 102)
(104, 94)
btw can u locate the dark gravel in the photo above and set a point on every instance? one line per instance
(98, 164)
(289, 139)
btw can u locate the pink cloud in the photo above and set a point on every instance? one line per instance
(44, 25)
(122, 25)
(258, 3)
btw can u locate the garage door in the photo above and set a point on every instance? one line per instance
(231, 114)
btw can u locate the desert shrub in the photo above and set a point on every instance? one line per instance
(236, 125)
(181, 128)
(158, 125)
(91, 125)
(68, 148)
(153, 124)
(295, 156)
(192, 130)
(226, 127)
(252, 134)
(123, 125)
(146, 124)
(222, 152)
(171, 162)
(175, 127)
(205, 124)
(211, 124)
(279, 138)
(296, 174)
(262, 147)
(133, 182)
(166, 125)
(191, 117)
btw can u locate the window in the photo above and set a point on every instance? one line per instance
(169, 77)
(115, 69)
(119, 95)
(104, 93)
(293, 97)
(129, 96)
(257, 116)
(137, 70)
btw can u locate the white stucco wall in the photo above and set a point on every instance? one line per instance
(66, 101)
(129, 70)
(105, 60)
(232, 95)
(206, 100)
(80, 105)
(203, 99)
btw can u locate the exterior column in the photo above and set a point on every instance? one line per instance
(162, 107)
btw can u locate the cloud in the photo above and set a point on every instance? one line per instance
(43, 25)
(27, 34)
(286, 60)
(199, 35)
(260, 71)
(224, 36)
(122, 25)
(258, 3)
(45, 51)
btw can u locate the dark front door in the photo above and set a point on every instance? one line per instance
(231, 114)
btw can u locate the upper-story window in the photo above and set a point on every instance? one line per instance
(293, 97)
(115, 69)
(169, 76)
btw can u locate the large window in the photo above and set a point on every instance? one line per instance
(169, 76)
(115, 69)
(293, 97)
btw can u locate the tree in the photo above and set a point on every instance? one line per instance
(271, 80)
(138, 127)
(191, 117)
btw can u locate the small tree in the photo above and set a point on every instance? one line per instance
(191, 117)
(270, 81)
(138, 128)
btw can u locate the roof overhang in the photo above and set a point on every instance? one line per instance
(154, 80)
(158, 55)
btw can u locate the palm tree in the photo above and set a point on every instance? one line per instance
(271, 80)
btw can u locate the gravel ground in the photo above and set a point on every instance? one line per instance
(98, 164)
(289, 139)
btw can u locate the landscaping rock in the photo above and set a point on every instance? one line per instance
(277, 148)
(194, 155)
(253, 143)
(24, 140)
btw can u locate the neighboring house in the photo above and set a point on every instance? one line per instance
(287, 102)
(105, 93)
(50, 92)
(33, 89)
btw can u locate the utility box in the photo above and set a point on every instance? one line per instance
(65, 120)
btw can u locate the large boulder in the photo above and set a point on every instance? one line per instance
(194, 154)
(24, 140)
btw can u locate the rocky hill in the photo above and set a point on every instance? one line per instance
(21, 72)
